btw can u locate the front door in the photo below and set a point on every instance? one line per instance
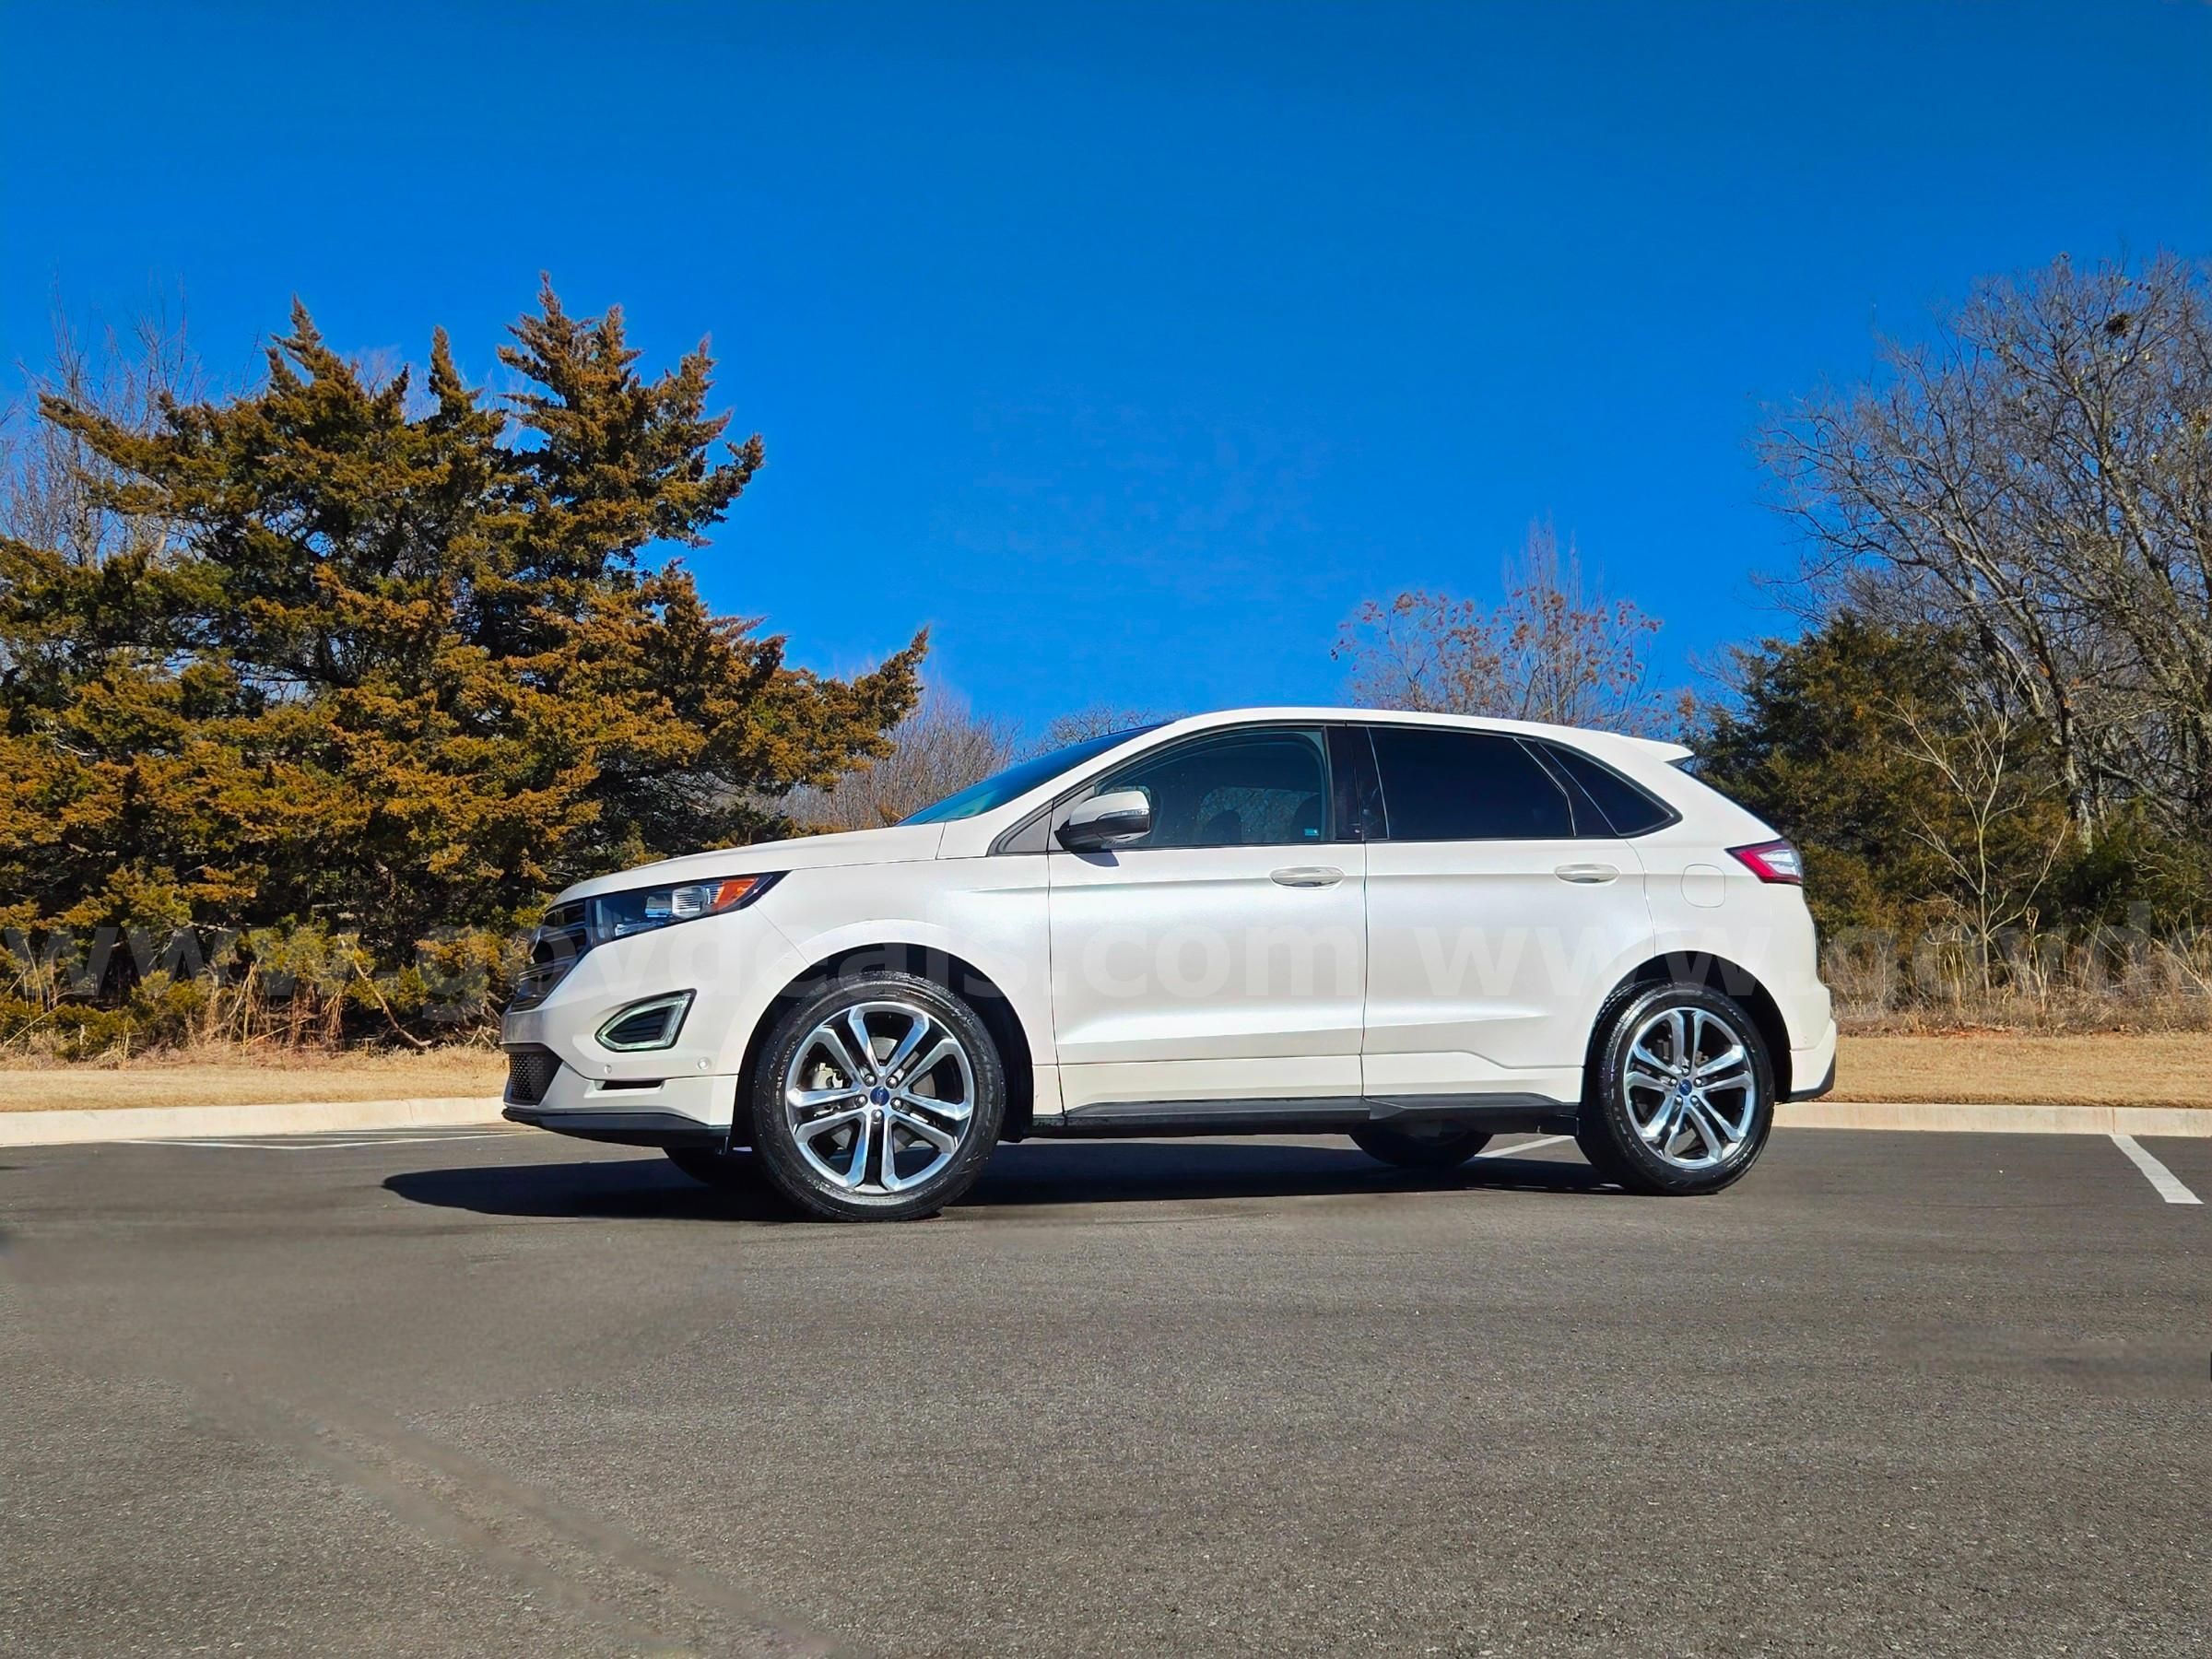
(1223, 957)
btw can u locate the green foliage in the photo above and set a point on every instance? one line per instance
(393, 666)
(1807, 749)
(1920, 800)
(2137, 874)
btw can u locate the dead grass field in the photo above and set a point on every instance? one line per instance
(197, 1080)
(2160, 1068)
(2153, 1069)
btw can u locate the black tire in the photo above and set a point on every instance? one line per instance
(1441, 1149)
(1608, 1127)
(714, 1166)
(797, 1176)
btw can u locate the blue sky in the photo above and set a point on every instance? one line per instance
(1130, 346)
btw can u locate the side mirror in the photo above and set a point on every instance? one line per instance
(1113, 820)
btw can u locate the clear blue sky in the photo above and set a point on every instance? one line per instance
(1129, 347)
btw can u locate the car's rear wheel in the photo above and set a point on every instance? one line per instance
(714, 1166)
(1420, 1146)
(1680, 1098)
(877, 1099)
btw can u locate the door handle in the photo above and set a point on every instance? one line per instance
(1590, 875)
(1307, 875)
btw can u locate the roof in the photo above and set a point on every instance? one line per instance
(1650, 746)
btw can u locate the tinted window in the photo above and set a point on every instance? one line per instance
(1444, 785)
(1628, 810)
(1241, 789)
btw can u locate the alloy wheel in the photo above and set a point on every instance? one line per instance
(878, 1096)
(1691, 1091)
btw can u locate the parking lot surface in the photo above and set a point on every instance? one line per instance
(499, 1393)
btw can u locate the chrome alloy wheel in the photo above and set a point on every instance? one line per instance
(878, 1096)
(1691, 1091)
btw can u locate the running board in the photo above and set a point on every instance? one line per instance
(1498, 1113)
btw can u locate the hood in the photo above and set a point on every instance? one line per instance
(897, 843)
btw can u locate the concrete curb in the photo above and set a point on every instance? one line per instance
(298, 1117)
(1995, 1119)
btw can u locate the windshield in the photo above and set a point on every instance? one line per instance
(1018, 779)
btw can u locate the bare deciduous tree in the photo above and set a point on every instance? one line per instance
(2038, 475)
(1099, 720)
(1556, 649)
(1987, 813)
(54, 491)
(939, 748)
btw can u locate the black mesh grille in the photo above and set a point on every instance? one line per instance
(530, 1072)
(560, 939)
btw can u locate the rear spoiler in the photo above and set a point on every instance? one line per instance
(1596, 738)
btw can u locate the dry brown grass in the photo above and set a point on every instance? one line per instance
(2108, 980)
(2151, 1068)
(221, 1077)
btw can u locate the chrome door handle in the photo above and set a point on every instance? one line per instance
(1592, 875)
(1307, 875)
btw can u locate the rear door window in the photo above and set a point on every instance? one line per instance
(1440, 784)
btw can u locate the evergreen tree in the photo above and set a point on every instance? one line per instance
(393, 665)
(1806, 744)
(1920, 796)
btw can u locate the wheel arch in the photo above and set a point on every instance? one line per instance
(941, 967)
(1714, 974)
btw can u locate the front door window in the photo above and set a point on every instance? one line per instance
(1267, 788)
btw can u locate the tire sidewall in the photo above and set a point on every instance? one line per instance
(1627, 1159)
(777, 1148)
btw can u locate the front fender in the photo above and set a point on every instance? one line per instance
(988, 913)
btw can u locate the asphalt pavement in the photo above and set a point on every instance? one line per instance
(499, 1393)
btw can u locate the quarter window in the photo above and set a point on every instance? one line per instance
(1260, 788)
(1626, 809)
(1440, 785)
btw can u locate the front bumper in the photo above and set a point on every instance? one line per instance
(622, 1128)
(655, 1112)
(571, 1081)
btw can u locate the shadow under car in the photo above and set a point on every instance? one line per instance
(1028, 1174)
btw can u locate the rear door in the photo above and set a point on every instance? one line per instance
(1497, 920)
(1222, 958)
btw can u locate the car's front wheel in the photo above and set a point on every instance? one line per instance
(877, 1099)
(1680, 1095)
(1423, 1147)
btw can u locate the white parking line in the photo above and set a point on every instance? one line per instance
(2158, 1174)
(1527, 1146)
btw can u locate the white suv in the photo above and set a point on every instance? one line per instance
(1416, 930)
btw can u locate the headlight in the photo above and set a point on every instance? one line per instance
(617, 916)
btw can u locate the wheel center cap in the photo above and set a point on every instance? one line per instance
(880, 1096)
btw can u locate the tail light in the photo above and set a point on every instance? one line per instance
(1774, 861)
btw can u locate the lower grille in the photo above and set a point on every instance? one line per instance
(530, 1072)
